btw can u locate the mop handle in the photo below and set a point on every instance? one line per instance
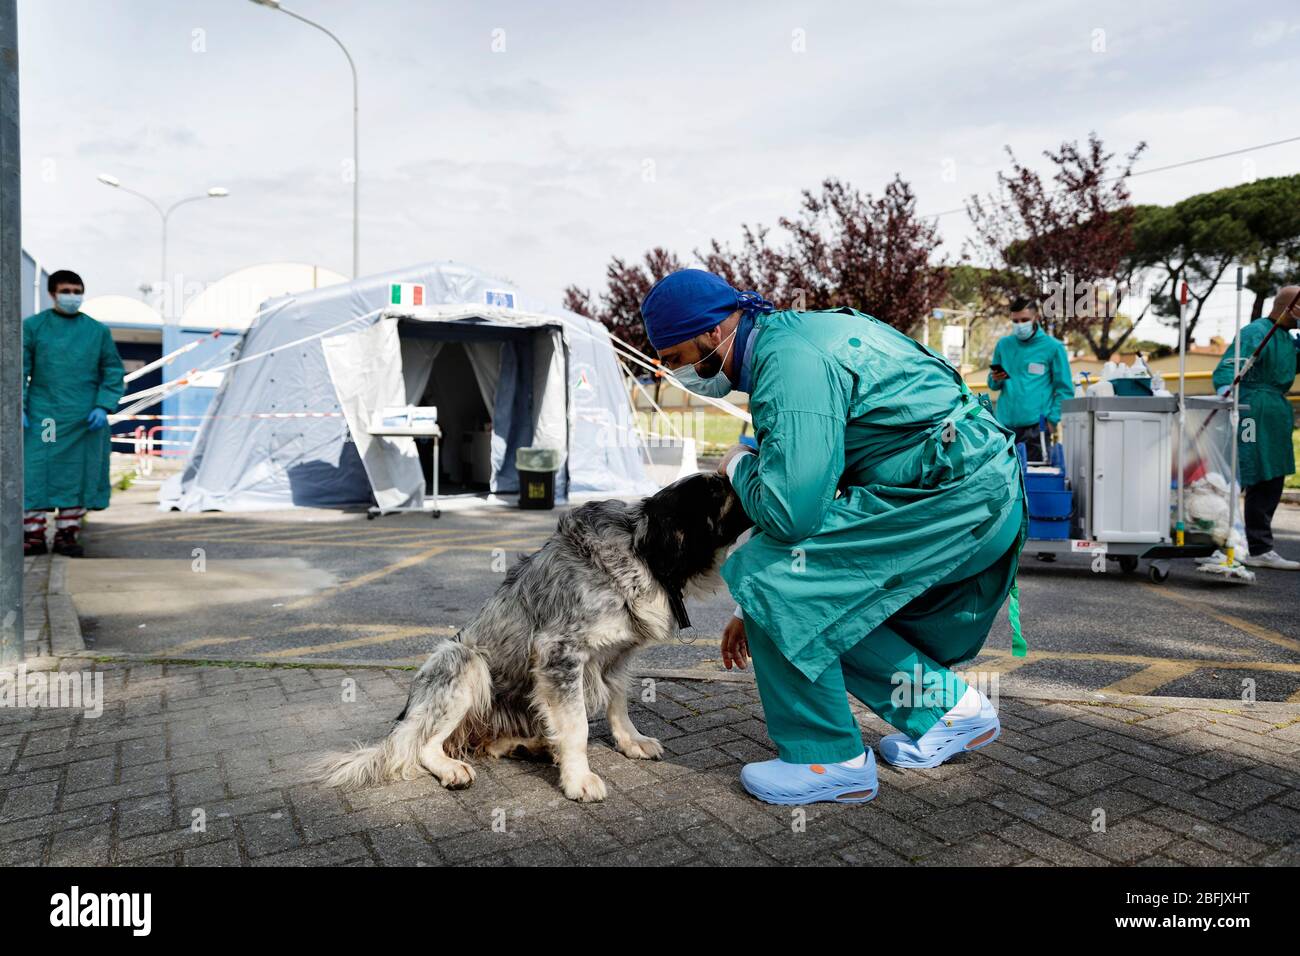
(1255, 354)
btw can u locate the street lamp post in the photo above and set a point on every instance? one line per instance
(356, 134)
(216, 192)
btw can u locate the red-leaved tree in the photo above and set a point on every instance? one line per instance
(843, 248)
(1039, 236)
(619, 306)
(868, 253)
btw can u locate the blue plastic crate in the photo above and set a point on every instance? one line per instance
(1052, 529)
(1045, 481)
(1051, 505)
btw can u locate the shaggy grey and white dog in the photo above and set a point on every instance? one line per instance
(555, 641)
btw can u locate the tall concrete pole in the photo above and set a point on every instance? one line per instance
(11, 348)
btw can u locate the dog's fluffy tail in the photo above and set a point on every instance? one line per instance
(453, 685)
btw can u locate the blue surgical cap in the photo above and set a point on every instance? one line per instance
(688, 303)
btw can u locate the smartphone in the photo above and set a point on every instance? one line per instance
(998, 368)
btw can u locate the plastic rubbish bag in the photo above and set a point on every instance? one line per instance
(1206, 461)
(1207, 510)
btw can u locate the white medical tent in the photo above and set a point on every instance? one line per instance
(290, 423)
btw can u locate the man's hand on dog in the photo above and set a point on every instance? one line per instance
(732, 452)
(735, 647)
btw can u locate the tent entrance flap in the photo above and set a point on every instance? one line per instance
(366, 370)
(497, 388)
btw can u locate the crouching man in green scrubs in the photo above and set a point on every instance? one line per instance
(889, 515)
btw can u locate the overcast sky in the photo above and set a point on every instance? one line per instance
(536, 140)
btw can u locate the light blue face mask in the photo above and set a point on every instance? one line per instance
(1023, 330)
(69, 303)
(715, 386)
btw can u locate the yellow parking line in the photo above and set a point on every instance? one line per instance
(367, 578)
(212, 530)
(1147, 660)
(1254, 630)
(357, 530)
(272, 531)
(345, 542)
(209, 642)
(385, 636)
(1150, 678)
(499, 545)
(368, 529)
(139, 534)
(306, 543)
(1003, 661)
(479, 535)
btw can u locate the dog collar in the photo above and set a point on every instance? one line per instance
(679, 607)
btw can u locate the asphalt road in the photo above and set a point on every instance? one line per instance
(333, 586)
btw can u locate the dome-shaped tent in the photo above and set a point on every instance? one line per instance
(233, 301)
(115, 310)
(289, 423)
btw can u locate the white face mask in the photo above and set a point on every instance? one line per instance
(69, 303)
(1023, 330)
(715, 386)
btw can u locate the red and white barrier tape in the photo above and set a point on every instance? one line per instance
(164, 418)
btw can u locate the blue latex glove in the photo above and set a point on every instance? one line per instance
(1225, 391)
(97, 419)
(26, 423)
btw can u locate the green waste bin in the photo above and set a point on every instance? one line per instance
(537, 468)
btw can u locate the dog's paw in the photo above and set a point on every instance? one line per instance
(640, 747)
(587, 788)
(453, 774)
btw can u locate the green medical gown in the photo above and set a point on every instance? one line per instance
(1040, 379)
(878, 474)
(1264, 389)
(70, 366)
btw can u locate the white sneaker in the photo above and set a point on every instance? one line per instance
(1271, 559)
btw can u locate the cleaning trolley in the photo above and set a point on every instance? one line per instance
(1109, 489)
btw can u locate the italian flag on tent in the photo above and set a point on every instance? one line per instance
(406, 293)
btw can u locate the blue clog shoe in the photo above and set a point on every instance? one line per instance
(775, 781)
(945, 739)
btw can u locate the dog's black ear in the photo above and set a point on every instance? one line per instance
(658, 542)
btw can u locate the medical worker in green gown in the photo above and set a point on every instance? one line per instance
(1030, 373)
(1266, 453)
(889, 515)
(72, 379)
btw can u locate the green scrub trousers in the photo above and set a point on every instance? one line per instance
(810, 721)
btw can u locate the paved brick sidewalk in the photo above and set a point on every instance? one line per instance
(1178, 783)
(50, 622)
